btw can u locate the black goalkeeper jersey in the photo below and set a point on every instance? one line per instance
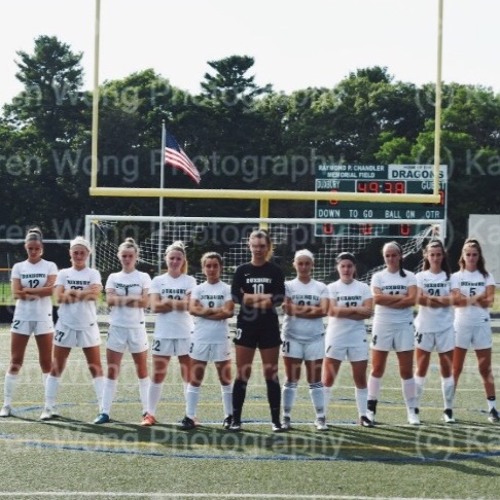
(268, 278)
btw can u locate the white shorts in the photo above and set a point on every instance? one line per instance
(397, 337)
(120, 338)
(443, 341)
(32, 327)
(65, 336)
(210, 352)
(307, 351)
(170, 347)
(351, 353)
(473, 337)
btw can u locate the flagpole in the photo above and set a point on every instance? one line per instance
(160, 201)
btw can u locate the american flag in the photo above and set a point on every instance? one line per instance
(175, 156)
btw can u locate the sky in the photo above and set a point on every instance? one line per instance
(295, 44)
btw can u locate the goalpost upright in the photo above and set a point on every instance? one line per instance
(263, 195)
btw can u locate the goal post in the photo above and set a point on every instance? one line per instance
(229, 237)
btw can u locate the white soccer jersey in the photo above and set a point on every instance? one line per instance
(127, 284)
(82, 314)
(211, 295)
(310, 294)
(434, 319)
(344, 332)
(393, 284)
(469, 284)
(173, 324)
(33, 276)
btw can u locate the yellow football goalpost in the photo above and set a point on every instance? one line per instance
(263, 195)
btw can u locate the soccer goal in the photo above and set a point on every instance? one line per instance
(229, 237)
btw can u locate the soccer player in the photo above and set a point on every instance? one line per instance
(211, 304)
(434, 323)
(76, 289)
(474, 290)
(32, 286)
(259, 287)
(394, 294)
(303, 334)
(350, 304)
(169, 299)
(127, 296)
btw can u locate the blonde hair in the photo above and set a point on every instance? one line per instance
(80, 240)
(304, 253)
(129, 244)
(178, 246)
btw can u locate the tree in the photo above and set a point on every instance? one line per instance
(50, 117)
(52, 101)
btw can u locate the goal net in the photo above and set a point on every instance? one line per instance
(229, 237)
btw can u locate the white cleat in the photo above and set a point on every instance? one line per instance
(413, 418)
(47, 414)
(6, 411)
(448, 416)
(320, 424)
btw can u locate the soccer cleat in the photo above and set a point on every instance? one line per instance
(286, 424)
(371, 410)
(493, 416)
(6, 411)
(277, 427)
(235, 426)
(148, 420)
(187, 424)
(102, 418)
(364, 421)
(320, 424)
(47, 414)
(413, 418)
(226, 424)
(448, 416)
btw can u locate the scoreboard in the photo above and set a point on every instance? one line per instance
(375, 179)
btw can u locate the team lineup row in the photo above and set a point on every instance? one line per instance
(191, 322)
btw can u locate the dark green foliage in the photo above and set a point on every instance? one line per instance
(240, 135)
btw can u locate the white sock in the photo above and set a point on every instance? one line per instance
(108, 394)
(98, 383)
(448, 390)
(327, 394)
(143, 393)
(227, 399)
(289, 392)
(409, 392)
(51, 388)
(44, 379)
(185, 386)
(419, 389)
(491, 404)
(9, 385)
(154, 396)
(361, 396)
(317, 393)
(192, 398)
(374, 384)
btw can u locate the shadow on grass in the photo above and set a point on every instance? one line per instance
(440, 443)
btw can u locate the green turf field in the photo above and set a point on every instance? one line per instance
(73, 458)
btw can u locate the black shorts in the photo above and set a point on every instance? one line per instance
(254, 337)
